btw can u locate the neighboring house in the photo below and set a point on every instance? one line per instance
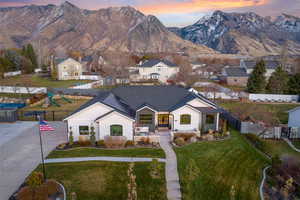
(69, 69)
(157, 69)
(120, 111)
(271, 66)
(235, 76)
(294, 122)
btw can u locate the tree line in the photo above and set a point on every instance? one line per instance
(24, 59)
(280, 82)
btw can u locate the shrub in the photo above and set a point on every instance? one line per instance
(129, 143)
(92, 136)
(179, 141)
(61, 146)
(256, 141)
(186, 136)
(224, 128)
(71, 137)
(84, 143)
(114, 141)
(100, 143)
(35, 180)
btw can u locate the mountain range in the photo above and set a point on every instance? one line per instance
(244, 33)
(66, 27)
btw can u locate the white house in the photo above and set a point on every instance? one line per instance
(294, 122)
(157, 69)
(69, 69)
(120, 111)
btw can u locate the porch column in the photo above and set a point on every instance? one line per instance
(217, 122)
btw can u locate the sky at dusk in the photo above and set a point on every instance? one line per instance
(180, 12)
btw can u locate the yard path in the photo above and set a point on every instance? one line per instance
(101, 158)
(291, 144)
(172, 177)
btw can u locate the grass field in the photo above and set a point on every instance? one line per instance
(36, 81)
(224, 165)
(279, 147)
(280, 110)
(106, 180)
(91, 152)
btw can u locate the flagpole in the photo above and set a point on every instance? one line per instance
(42, 152)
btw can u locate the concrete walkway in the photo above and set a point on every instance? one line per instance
(291, 144)
(101, 158)
(261, 187)
(172, 177)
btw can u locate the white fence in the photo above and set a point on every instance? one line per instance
(88, 85)
(9, 74)
(221, 95)
(273, 98)
(22, 90)
(90, 77)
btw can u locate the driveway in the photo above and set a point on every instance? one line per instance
(20, 152)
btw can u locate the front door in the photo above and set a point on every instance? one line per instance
(163, 120)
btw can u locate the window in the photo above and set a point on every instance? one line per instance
(185, 119)
(145, 119)
(116, 130)
(83, 130)
(210, 119)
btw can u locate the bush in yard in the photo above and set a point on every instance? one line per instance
(92, 136)
(100, 143)
(129, 143)
(71, 137)
(154, 169)
(33, 190)
(179, 141)
(114, 141)
(186, 136)
(35, 180)
(84, 143)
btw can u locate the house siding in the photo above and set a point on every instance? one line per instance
(69, 69)
(164, 71)
(86, 118)
(195, 119)
(115, 119)
(294, 118)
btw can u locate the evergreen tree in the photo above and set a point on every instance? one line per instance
(294, 84)
(257, 80)
(31, 55)
(278, 82)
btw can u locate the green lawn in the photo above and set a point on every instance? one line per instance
(36, 81)
(223, 164)
(106, 180)
(296, 143)
(280, 110)
(92, 152)
(279, 147)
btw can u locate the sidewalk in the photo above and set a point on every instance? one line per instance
(172, 177)
(102, 158)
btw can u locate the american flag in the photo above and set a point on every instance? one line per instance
(44, 126)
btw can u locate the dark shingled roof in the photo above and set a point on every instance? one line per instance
(160, 97)
(128, 99)
(270, 64)
(152, 62)
(236, 72)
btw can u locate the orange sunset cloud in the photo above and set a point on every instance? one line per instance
(198, 5)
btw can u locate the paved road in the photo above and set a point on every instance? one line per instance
(20, 152)
(172, 177)
(102, 158)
